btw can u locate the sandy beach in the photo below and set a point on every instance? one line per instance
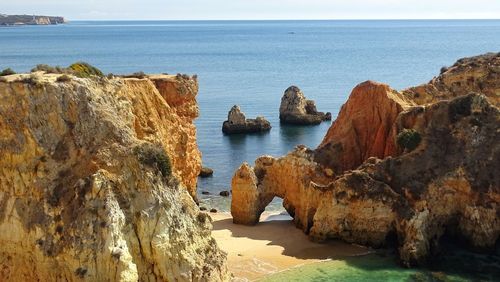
(271, 246)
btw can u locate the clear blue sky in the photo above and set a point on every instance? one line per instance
(256, 9)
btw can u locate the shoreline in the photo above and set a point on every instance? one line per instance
(272, 246)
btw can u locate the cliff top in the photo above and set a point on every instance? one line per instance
(30, 20)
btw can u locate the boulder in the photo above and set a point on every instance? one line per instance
(237, 123)
(206, 172)
(296, 109)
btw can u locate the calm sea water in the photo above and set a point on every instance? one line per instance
(251, 63)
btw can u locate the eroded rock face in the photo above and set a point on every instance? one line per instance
(446, 184)
(237, 123)
(86, 189)
(479, 74)
(363, 128)
(296, 109)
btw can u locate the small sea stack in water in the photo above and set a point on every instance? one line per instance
(237, 123)
(296, 109)
(206, 172)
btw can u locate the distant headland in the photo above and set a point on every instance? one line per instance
(10, 20)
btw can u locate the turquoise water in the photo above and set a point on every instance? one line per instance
(251, 63)
(454, 265)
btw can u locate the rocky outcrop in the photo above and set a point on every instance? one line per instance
(390, 169)
(94, 181)
(237, 123)
(206, 172)
(479, 74)
(296, 109)
(363, 128)
(445, 185)
(30, 20)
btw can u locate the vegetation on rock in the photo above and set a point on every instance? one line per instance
(64, 78)
(154, 156)
(82, 69)
(7, 71)
(409, 139)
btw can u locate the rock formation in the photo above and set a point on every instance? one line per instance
(479, 74)
(443, 183)
(94, 181)
(296, 109)
(363, 127)
(30, 20)
(206, 172)
(237, 123)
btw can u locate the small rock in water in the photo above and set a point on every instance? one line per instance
(296, 109)
(206, 172)
(224, 193)
(203, 208)
(205, 193)
(237, 123)
(213, 210)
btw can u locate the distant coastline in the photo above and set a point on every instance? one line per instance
(17, 20)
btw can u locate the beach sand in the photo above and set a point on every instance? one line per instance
(273, 245)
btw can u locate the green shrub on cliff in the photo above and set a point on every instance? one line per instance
(154, 156)
(409, 139)
(50, 69)
(82, 69)
(64, 78)
(7, 71)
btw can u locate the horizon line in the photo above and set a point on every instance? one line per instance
(351, 19)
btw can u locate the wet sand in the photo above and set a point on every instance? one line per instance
(271, 246)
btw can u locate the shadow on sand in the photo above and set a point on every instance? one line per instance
(281, 231)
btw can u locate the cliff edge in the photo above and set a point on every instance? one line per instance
(95, 181)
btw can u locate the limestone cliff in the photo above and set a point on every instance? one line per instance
(93, 179)
(389, 169)
(363, 127)
(447, 184)
(479, 74)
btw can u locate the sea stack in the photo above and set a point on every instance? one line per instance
(237, 123)
(296, 109)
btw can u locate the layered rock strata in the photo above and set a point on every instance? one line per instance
(296, 109)
(237, 123)
(390, 169)
(94, 181)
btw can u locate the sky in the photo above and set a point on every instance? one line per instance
(255, 9)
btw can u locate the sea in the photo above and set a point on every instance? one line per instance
(250, 64)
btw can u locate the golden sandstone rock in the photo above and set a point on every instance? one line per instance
(379, 188)
(94, 181)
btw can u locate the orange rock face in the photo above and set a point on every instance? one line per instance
(363, 128)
